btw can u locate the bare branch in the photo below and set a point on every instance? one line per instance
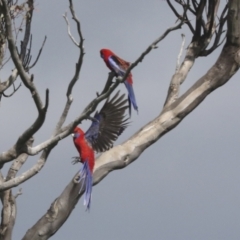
(27, 34)
(56, 215)
(181, 17)
(14, 182)
(17, 61)
(199, 19)
(39, 54)
(18, 162)
(81, 48)
(196, 48)
(26, 80)
(218, 33)
(69, 30)
(13, 153)
(77, 70)
(77, 22)
(151, 47)
(124, 154)
(109, 82)
(6, 84)
(14, 90)
(195, 4)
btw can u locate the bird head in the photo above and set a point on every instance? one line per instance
(105, 53)
(77, 132)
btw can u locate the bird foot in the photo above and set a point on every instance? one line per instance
(76, 160)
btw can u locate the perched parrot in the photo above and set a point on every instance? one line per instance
(119, 66)
(106, 126)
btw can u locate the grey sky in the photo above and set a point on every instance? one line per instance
(184, 187)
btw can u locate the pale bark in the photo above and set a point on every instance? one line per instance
(175, 109)
(171, 115)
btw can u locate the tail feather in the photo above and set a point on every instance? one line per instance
(86, 179)
(131, 97)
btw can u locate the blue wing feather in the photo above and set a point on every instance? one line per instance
(92, 133)
(116, 66)
(131, 96)
(108, 124)
(87, 179)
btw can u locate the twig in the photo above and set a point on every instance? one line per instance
(11, 79)
(218, 34)
(18, 163)
(26, 79)
(154, 45)
(182, 17)
(109, 82)
(60, 132)
(39, 53)
(14, 90)
(27, 174)
(77, 69)
(69, 30)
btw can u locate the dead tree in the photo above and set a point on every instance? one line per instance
(209, 30)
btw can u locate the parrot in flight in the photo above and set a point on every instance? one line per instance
(119, 67)
(106, 126)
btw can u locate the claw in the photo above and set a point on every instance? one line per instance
(76, 160)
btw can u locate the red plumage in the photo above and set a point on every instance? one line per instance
(106, 53)
(119, 67)
(106, 126)
(85, 150)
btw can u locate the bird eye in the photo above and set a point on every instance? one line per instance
(75, 135)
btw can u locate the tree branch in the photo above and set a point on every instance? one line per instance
(123, 155)
(64, 132)
(56, 215)
(195, 49)
(11, 79)
(77, 69)
(27, 174)
(39, 54)
(14, 152)
(18, 162)
(14, 90)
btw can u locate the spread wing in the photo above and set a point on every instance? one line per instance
(109, 123)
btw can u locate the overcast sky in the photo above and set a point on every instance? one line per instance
(185, 186)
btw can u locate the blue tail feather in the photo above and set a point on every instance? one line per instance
(87, 179)
(131, 96)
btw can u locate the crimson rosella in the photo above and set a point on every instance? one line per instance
(119, 66)
(107, 125)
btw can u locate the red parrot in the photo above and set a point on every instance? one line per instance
(119, 66)
(107, 125)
